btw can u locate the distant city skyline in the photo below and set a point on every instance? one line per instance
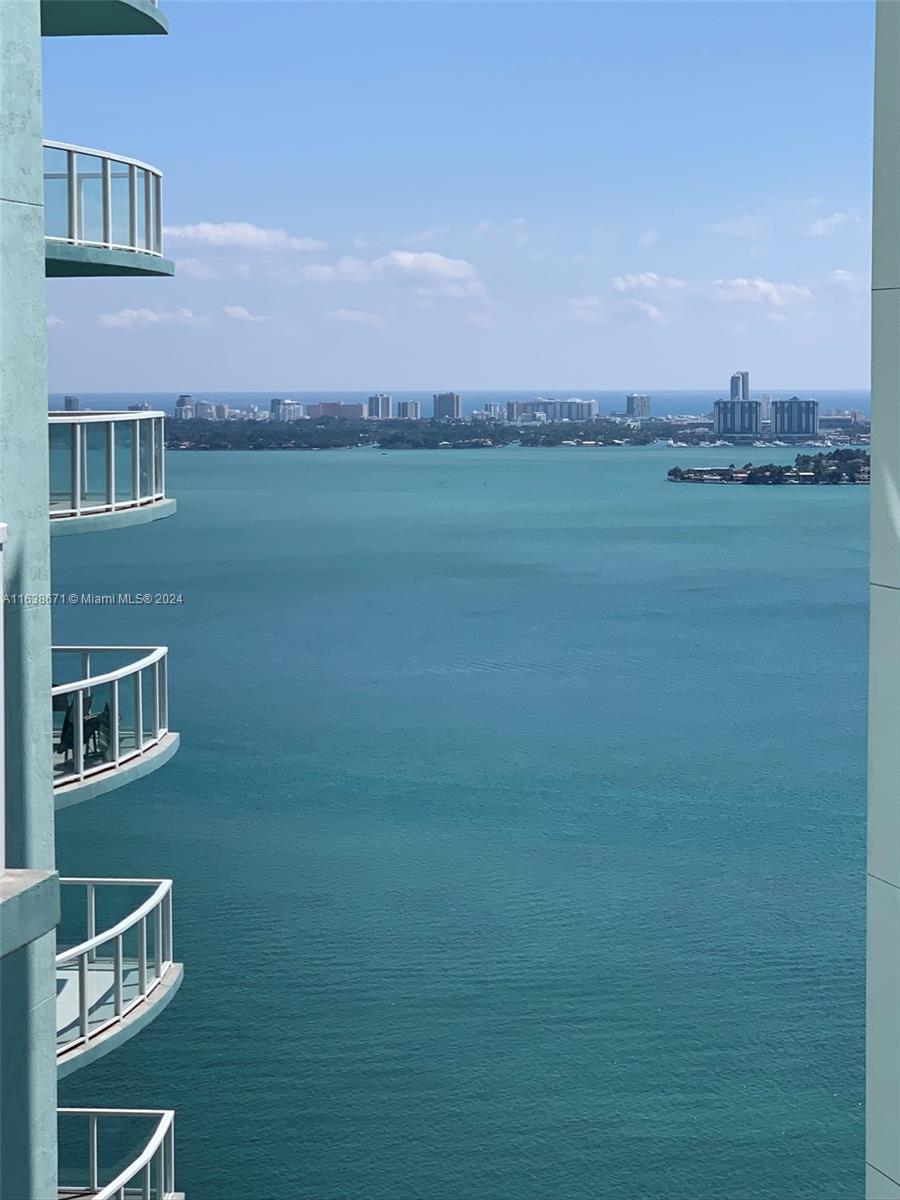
(494, 233)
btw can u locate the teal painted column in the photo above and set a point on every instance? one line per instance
(27, 976)
(883, 885)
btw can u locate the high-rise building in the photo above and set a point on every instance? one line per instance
(204, 411)
(740, 385)
(71, 403)
(737, 419)
(883, 866)
(408, 410)
(379, 407)
(447, 406)
(795, 418)
(78, 724)
(765, 408)
(184, 408)
(337, 410)
(637, 406)
(223, 412)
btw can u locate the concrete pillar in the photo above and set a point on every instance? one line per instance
(27, 977)
(883, 922)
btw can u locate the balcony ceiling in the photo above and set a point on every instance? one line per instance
(72, 18)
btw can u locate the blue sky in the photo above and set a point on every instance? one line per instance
(480, 195)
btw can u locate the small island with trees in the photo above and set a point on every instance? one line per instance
(834, 467)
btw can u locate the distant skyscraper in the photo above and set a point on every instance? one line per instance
(637, 406)
(447, 406)
(184, 408)
(765, 411)
(222, 412)
(795, 418)
(551, 410)
(379, 407)
(71, 403)
(408, 410)
(204, 411)
(737, 418)
(740, 385)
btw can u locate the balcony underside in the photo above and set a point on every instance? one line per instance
(65, 261)
(73, 18)
(68, 794)
(102, 1008)
(120, 519)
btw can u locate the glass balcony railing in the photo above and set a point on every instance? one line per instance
(94, 1143)
(110, 462)
(117, 957)
(100, 200)
(110, 708)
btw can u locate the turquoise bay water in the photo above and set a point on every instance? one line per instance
(517, 831)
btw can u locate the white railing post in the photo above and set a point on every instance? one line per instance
(135, 461)
(111, 464)
(169, 1143)
(78, 733)
(83, 1028)
(148, 210)
(91, 901)
(142, 957)
(114, 722)
(106, 204)
(169, 928)
(154, 688)
(161, 482)
(72, 196)
(138, 714)
(93, 1165)
(77, 452)
(117, 982)
(158, 939)
(132, 205)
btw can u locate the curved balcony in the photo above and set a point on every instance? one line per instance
(95, 1142)
(73, 18)
(107, 470)
(110, 716)
(111, 983)
(102, 214)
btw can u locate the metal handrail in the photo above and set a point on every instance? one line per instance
(110, 414)
(152, 654)
(141, 210)
(88, 479)
(158, 907)
(119, 158)
(92, 742)
(160, 1145)
(163, 888)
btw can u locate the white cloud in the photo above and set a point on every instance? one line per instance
(827, 225)
(139, 318)
(758, 291)
(431, 273)
(648, 237)
(240, 235)
(193, 268)
(840, 278)
(238, 313)
(647, 281)
(739, 227)
(52, 322)
(640, 308)
(355, 316)
(353, 270)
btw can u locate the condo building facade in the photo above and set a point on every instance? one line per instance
(79, 720)
(637, 406)
(794, 419)
(740, 386)
(447, 406)
(409, 410)
(379, 407)
(737, 419)
(883, 867)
